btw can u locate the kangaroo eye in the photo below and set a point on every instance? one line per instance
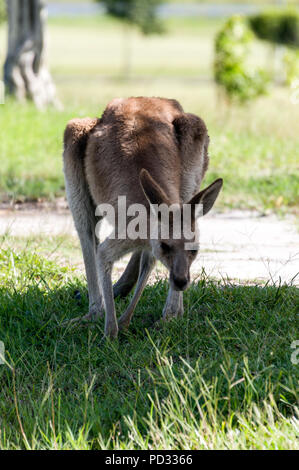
(166, 248)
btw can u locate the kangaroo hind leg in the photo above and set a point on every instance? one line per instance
(82, 208)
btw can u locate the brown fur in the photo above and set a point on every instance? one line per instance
(137, 133)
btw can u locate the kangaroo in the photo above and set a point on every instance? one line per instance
(152, 152)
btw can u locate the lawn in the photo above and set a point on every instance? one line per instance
(255, 149)
(220, 377)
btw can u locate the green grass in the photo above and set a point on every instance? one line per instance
(257, 159)
(221, 377)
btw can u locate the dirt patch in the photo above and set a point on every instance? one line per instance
(237, 246)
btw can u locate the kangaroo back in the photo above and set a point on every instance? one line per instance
(150, 133)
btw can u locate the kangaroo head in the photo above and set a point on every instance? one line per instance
(176, 240)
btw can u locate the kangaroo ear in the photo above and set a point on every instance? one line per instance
(152, 190)
(206, 197)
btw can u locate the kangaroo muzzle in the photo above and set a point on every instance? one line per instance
(180, 283)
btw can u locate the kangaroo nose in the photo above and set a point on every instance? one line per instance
(180, 283)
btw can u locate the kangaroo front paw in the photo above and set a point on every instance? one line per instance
(174, 305)
(111, 331)
(169, 314)
(173, 310)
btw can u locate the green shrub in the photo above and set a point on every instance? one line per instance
(233, 73)
(141, 13)
(277, 26)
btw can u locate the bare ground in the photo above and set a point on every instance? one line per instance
(237, 246)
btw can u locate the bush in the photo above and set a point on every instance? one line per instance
(232, 72)
(279, 27)
(141, 13)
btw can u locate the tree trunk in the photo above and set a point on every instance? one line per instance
(25, 71)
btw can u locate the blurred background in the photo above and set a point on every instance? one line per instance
(233, 63)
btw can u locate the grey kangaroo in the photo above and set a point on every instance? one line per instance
(152, 152)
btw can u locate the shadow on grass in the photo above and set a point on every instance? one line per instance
(68, 378)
